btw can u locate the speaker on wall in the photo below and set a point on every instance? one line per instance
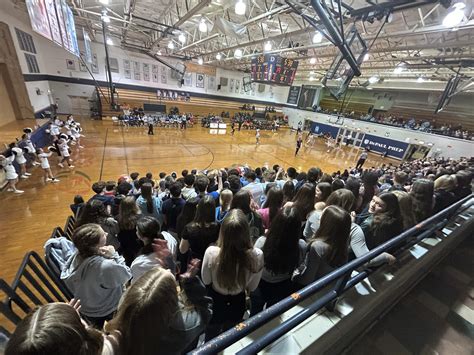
(218, 86)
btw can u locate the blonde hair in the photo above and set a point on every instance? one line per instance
(225, 199)
(406, 208)
(146, 312)
(445, 182)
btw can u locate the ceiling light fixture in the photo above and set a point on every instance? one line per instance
(200, 61)
(366, 56)
(312, 61)
(318, 37)
(110, 42)
(170, 45)
(399, 68)
(311, 78)
(267, 47)
(104, 17)
(455, 16)
(218, 56)
(238, 53)
(203, 26)
(240, 7)
(105, 2)
(182, 38)
(374, 79)
(420, 80)
(158, 53)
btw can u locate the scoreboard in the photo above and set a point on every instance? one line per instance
(273, 69)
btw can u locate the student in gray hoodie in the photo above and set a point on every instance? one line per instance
(95, 274)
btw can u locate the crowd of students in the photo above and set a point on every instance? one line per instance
(430, 126)
(160, 262)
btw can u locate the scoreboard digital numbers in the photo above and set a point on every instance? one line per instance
(273, 69)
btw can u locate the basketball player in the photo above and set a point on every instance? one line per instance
(232, 126)
(299, 141)
(257, 136)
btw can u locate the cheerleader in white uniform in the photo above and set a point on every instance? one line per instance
(48, 174)
(64, 150)
(19, 154)
(69, 120)
(54, 130)
(29, 144)
(76, 130)
(10, 173)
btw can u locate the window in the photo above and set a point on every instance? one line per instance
(32, 63)
(25, 41)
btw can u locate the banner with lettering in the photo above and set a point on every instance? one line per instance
(393, 148)
(321, 128)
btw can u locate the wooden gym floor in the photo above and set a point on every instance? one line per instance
(27, 220)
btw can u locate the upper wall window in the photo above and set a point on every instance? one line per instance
(32, 63)
(25, 40)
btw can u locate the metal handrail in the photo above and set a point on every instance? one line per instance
(248, 326)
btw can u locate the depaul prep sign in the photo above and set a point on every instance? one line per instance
(393, 148)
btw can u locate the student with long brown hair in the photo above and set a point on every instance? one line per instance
(149, 205)
(202, 231)
(328, 249)
(231, 268)
(129, 213)
(283, 251)
(422, 192)
(56, 328)
(303, 201)
(95, 274)
(271, 206)
(406, 208)
(154, 317)
(242, 201)
(148, 230)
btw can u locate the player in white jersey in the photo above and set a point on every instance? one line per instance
(6, 163)
(43, 157)
(257, 136)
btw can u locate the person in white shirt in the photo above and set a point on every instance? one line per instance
(54, 130)
(19, 154)
(256, 189)
(148, 229)
(64, 150)
(29, 144)
(43, 157)
(231, 268)
(76, 133)
(257, 136)
(6, 163)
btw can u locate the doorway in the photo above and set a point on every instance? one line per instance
(80, 106)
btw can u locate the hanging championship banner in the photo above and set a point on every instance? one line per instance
(202, 69)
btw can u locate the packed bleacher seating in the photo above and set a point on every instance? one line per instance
(429, 126)
(235, 240)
